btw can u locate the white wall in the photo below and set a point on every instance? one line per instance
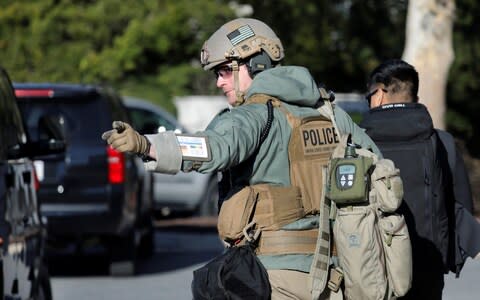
(195, 112)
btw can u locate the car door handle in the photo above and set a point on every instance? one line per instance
(27, 177)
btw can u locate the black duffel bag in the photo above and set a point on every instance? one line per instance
(235, 274)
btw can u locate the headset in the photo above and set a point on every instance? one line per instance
(258, 63)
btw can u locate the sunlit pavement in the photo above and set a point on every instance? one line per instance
(183, 245)
(467, 287)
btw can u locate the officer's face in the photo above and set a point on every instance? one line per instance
(226, 82)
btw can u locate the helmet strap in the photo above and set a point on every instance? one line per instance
(239, 94)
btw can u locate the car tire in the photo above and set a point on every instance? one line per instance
(123, 254)
(147, 242)
(44, 289)
(145, 224)
(209, 205)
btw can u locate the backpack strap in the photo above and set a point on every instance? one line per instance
(321, 258)
(327, 110)
(456, 260)
(449, 143)
(263, 98)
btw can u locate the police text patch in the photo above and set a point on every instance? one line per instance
(318, 138)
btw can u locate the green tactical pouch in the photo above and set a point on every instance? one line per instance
(349, 180)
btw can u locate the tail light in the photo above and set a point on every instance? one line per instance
(116, 166)
(34, 93)
(36, 182)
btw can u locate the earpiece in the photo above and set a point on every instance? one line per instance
(258, 63)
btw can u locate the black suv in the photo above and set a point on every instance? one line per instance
(91, 190)
(23, 273)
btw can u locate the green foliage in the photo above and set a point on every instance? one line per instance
(463, 86)
(118, 42)
(340, 41)
(459, 124)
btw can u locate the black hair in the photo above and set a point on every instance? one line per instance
(397, 76)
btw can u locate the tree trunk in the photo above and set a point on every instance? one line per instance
(429, 48)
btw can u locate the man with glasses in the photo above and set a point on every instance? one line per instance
(251, 140)
(437, 198)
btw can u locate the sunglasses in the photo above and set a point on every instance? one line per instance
(369, 96)
(223, 71)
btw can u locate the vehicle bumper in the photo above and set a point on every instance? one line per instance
(83, 219)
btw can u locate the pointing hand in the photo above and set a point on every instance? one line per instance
(124, 138)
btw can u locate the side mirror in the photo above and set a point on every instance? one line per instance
(51, 140)
(39, 148)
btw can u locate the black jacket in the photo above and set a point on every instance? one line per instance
(405, 123)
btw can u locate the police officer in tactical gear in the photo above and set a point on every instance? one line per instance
(252, 140)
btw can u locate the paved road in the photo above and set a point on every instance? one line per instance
(167, 275)
(467, 287)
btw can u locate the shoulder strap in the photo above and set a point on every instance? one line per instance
(263, 98)
(449, 143)
(327, 110)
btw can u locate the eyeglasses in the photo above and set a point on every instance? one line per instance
(370, 95)
(223, 71)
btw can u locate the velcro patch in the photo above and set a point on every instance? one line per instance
(240, 34)
(194, 147)
(318, 138)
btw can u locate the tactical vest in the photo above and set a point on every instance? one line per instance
(311, 144)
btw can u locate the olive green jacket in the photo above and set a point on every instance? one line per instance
(234, 137)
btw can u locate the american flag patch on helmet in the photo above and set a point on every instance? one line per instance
(240, 34)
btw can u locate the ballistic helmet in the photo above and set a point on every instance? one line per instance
(238, 40)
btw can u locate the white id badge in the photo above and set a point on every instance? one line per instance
(194, 147)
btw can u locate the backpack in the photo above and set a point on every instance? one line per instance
(371, 240)
(455, 266)
(427, 206)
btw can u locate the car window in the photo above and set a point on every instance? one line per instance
(11, 127)
(83, 119)
(148, 122)
(119, 112)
